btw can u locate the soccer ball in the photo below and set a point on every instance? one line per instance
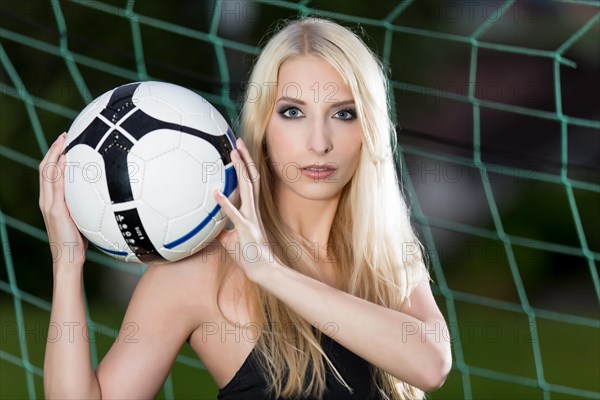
(142, 161)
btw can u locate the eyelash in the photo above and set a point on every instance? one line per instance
(350, 111)
(284, 109)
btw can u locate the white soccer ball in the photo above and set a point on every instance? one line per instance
(142, 161)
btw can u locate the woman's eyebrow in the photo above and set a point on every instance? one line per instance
(334, 103)
(291, 100)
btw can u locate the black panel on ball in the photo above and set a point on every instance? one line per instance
(135, 236)
(138, 124)
(91, 135)
(120, 103)
(114, 151)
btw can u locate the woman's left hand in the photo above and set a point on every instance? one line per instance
(246, 243)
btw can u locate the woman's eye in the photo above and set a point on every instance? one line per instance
(345, 115)
(291, 112)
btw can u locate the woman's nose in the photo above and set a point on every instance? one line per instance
(319, 141)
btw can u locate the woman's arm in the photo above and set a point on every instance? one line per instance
(67, 367)
(412, 345)
(164, 310)
(409, 345)
(166, 307)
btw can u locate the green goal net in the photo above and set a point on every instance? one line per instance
(498, 110)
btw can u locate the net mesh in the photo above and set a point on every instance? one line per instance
(396, 23)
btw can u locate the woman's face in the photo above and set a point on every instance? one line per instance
(313, 126)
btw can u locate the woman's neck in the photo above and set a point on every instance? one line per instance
(311, 219)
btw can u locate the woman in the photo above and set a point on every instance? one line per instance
(319, 291)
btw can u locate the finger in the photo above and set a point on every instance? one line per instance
(246, 190)
(52, 146)
(42, 171)
(232, 213)
(48, 172)
(251, 169)
(58, 187)
(251, 165)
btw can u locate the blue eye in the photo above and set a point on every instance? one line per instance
(290, 112)
(346, 115)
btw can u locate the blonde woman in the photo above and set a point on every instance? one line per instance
(320, 290)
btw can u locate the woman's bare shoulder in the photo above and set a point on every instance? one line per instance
(169, 303)
(189, 281)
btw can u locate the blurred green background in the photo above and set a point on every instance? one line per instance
(499, 140)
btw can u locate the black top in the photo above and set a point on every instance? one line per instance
(249, 384)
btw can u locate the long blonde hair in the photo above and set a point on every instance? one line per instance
(379, 257)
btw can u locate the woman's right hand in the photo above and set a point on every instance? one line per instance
(68, 246)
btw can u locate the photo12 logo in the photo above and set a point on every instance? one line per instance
(35, 332)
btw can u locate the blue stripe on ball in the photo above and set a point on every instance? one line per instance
(230, 186)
